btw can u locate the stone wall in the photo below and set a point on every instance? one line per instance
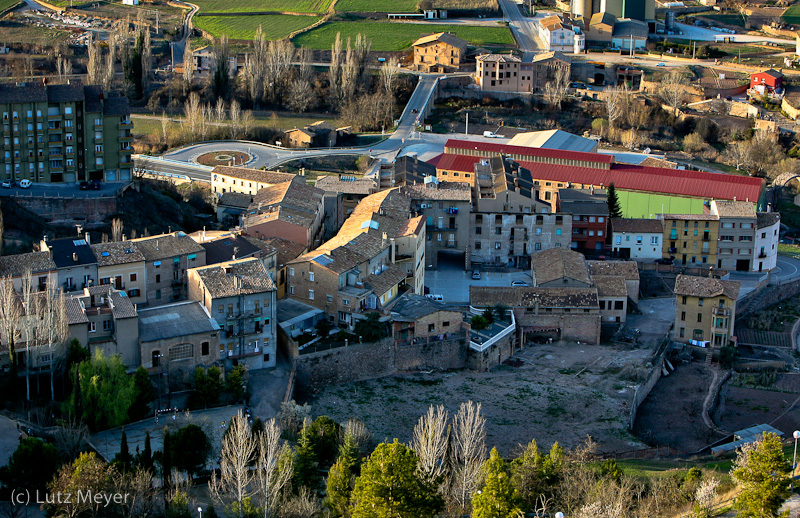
(376, 360)
(88, 210)
(764, 296)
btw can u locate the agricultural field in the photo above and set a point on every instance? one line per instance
(5, 4)
(727, 19)
(261, 6)
(792, 15)
(378, 6)
(400, 36)
(275, 26)
(31, 35)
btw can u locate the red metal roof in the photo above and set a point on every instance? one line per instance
(529, 151)
(465, 163)
(435, 160)
(697, 184)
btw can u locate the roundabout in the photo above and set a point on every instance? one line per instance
(224, 157)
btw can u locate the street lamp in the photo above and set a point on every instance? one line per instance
(796, 435)
(200, 510)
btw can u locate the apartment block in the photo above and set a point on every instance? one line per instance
(636, 238)
(122, 266)
(765, 249)
(690, 239)
(246, 180)
(737, 229)
(75, 262)
(167, 259)
(511, 239)
(705, 309)
(240, 296)
(64, 133)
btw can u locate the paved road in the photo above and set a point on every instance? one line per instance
(523, 28)
(691, 32)
(788, 269)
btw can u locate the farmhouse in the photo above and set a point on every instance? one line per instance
(441, 52)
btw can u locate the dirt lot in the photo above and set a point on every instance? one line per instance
(561, 392)
(741, 407)
(672, 413)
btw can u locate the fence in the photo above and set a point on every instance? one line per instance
(643, 390)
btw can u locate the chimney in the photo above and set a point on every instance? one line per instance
(124, 237)
(156, 243)
(392, 250)
(88, 239)
(204, 235)
(75, 256)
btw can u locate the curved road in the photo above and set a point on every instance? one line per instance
(270, 156)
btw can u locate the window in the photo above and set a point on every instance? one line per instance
(498, 230)
(537, 246)
(329, 298)
(618, 304)
(497, 246)
(68, 123)
(204, 348)
(431, 328)
(158, 277)
(92, 327)
(221, 308)
(67, 111)
(539, 232)
(98, 148)
(291, 272)
(158, 294)
(699, 317)
(478, 230)
(683, 315)
(345, 302)
(310, 276)
(107, 325)
(682, 331)
(181, 352)
(477, 245)
(291, 290)
(310, 294)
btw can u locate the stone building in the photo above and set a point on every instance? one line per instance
(240, 296)
(705, 310)
(41, 266)
(121, 265)
(246, 180)
(439, 53)
(167, 259)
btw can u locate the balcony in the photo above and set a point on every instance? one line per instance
(125, 125)
(451, 244)
(673, 250)
(721, 312)
(762, 255)
(129, 138)
(98, 127)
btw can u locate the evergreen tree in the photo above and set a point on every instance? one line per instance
(498, 499)
(614, 207)
(194, 449)
(305, 462)
(341, 477)
(166, 461)
(146, 457)
(390, 485)
(143, 395)
(762, 472)
(534, 473)
(123, 458)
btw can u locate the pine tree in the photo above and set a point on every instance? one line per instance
(762, 472)
(146, 457)
(123, 458)
(614, 207)
(166, 461)
(341, 477)
(498, 499)
(305, 463)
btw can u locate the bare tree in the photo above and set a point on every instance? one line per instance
(335, 70)
(638, 114)
(248, 121)
(358, 431)
(63, 67)
(141, 497)
(53, 328)
(164, 126)
(705, 495)
(672, 91)
(70, 439)
(236, 119)
(255, 67)
(219, 110)
(29, 326)
(194, 112)
(188, 66)
(10, 313)
(203, 120)
(430, 442)
(302, 505)
(738, 152)
(94, 67)
(147, 57)
(556, 90)
(468, 452)
(389, 71)
(109, 74)
(303, 59)
(301, 96)
(235, 476)
(116, 229)
(278, 64)
(617, 100)
(274, 467)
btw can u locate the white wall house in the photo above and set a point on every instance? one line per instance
(637, 239)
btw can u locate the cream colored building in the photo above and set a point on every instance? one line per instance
(122, 265)
(705, 309)
(246, 180)
(441, 52)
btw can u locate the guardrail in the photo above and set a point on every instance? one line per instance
(480, 347)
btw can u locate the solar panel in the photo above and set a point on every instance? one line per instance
(105, 254)
(323, 260)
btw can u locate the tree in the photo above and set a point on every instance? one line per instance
(370, 329)
(10, 311)
(617, 100)
(103, 391)
(235, 382)
(301, 96)
(32, 465)
(390, 485)
(2, 228)
(145, 458)
(306, 473)
(123, 458)
(232, 484)
(116, 229)
(194, 449)
(614, 206)
(535, 474)
(556, 90)
(207, 385)
(762, 472)
(221, 77)
(704, 497)
(88, 473)
(389, 70)
(165, 460)
(188, 65)
(467, 453)
(143, 395)
(479, 322)
(194, 112)
(274, 466)
(694, 143)
(673, 90)
(430, 443)
(324, 433)
(342, 476)
(498, 498)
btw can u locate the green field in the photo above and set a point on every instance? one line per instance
(260, 6)
(378, 6)
(275, 26)
(13, 32)
(387, 36)
(5, 4)
(792, 15)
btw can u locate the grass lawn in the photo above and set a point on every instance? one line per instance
(12, 32)
(150, 126)
(378, 6)
(260, 6)
(5, 4)
(387, 36)
(275, 26)
(792, 15)
(785, 248)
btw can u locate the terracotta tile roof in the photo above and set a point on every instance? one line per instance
(164, 246)
(235, 199)
(443, 191)
(256, 175)
(734, 209)
(628, 270)
(444, 37)
(485, 296)
(75, 311)
(386, 280)
(691, 217)
(637, 225)
(221, 279)
(551, 23)
(654, 161)
(292, 202)
(410, 307)
(18, 264)
(499, 58)
(767, 219)
(558, 263)
(121, 305)
(705, 287)
(121, 252)
(610, 286)
(346, 184)
(287, 250)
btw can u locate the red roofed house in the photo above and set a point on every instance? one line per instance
(769, 82)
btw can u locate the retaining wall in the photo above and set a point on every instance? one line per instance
(643, 390)
(59, 209)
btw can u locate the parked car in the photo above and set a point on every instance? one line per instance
(519, 284)
(661, 65)
(25, 183)
(434, 296)
(96, 185)
(490, 134)
(84, 186)
(476, 274)
(665, 261)
(8, 184)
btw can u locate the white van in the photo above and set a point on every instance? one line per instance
(490, 134)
